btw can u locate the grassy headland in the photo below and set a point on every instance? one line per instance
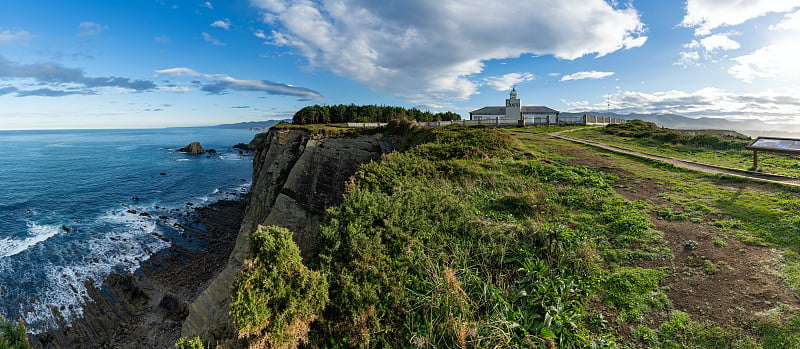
(711, 149)
(485, 237)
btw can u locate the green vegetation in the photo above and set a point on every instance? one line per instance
(327, 114)
(710, 149)
(680, 331)
(459, 241)
(13, 336)
(485, 237)
(276, 297)
(194, 342)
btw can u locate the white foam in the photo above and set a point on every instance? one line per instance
(123, 248)
(37, 233)
(179, 160)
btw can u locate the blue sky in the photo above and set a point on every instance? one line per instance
(156, 63)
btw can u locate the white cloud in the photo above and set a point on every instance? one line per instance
(222, 23)
(208, 5)
(719, 41)
(707, 15)
(221, 83)
(688, 58)
(427, 51)
(260, 34)
(709, 102)
(704, 48)
(587, 75)
(505, 82)
(162, 39)
(210, 39)
(8, 37)
(91, 28)
(68, 81)
(176, 89)
(790, 22)
(776, 60)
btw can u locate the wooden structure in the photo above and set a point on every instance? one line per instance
(773, 145)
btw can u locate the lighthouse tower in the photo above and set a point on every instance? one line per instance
(513, 105)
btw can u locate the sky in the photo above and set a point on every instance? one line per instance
(159, 63)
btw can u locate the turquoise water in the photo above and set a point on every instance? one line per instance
(66, 203)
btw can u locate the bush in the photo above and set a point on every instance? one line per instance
(13, 336)
(276, 297)
(189, 343)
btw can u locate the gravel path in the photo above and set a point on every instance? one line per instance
(696, 166)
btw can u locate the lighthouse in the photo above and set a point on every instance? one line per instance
(513, 105)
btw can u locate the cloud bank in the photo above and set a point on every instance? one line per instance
(220, 84)
(428, 51)
(710, 102)
(59, 76)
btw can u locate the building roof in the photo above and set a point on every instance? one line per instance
(529, 109)
(490, 111)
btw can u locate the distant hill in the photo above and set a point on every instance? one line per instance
(253, 125)
(748, 127)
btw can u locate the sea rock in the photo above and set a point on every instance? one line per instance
(245, 147)
(193, 148)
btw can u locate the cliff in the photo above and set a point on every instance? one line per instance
(297, 175)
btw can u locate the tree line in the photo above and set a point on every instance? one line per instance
(327, 114)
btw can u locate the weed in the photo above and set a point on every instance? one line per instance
(690, 245)
(709, 267)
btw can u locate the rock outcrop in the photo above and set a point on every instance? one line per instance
(193, 148)
(296, 177)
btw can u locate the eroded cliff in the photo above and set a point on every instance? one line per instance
(297, 175)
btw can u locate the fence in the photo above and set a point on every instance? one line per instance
(504, 122)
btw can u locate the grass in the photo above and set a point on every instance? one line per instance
(484, 237)
(710, 149)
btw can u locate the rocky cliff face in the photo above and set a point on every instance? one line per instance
(296, 177)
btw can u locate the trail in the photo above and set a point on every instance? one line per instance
(691, 165)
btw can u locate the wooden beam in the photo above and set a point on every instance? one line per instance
(755, 160)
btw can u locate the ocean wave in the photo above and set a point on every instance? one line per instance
(129, 240)
(36, 234)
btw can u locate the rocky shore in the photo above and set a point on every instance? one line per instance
(146, 309)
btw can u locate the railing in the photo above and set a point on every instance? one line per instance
(504, 122)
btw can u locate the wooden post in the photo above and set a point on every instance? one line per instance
(755, 160)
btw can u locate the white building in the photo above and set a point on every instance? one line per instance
(514, 110)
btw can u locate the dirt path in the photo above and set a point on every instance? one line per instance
(691, 165)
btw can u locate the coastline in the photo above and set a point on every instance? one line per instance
(146, 308)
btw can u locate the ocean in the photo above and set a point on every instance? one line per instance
(71, 204)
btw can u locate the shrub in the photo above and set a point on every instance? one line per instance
(276, 297)
(193, 342)
(13, 336)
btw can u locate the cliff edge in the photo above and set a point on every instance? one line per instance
(297, 175)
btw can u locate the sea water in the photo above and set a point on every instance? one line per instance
(67, 203)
